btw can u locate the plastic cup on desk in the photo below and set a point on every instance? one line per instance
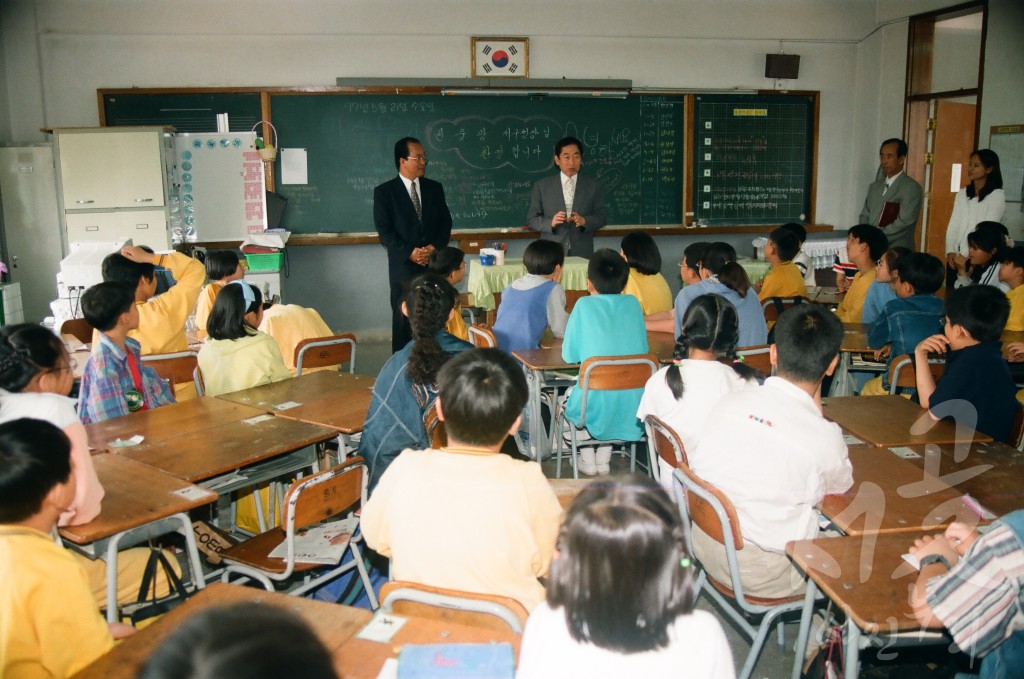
(487, 260)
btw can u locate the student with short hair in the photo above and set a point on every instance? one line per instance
(407, 383)
(802, 260)
(683, 394)
(915, 314)
(450, 263)
(986, 250)
(975, 369)
(50, 625)
(534, 302)
(237, 355)
(605, 323)
(222, 267)
(115, 381)
(251, 640)
(721, 275)
(865, 245)
(466, 516)
(881, 291)
(1011, 272)
(596, 594)
(645, 280)
(689, 273)
(784, 279)
(774, 455)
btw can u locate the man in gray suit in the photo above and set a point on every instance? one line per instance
(893, 202)
(569, 207)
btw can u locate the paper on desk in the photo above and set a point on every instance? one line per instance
(192, 493)
(389, 670)
(127, 443)
(905, 452)
(851, 440)
(256, 419)
(220, 481)
(287, 405)
(381, 628)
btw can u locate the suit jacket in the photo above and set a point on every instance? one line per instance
(547, 200)
(904, 191)
(399, 229)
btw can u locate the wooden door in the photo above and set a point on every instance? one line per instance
(953, 143)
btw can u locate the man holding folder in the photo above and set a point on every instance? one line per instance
(893, 202)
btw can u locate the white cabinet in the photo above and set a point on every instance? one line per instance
(111, 169)
(114, 184)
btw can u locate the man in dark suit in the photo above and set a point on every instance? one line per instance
(893, 202)
(569, 207)
(413, 220)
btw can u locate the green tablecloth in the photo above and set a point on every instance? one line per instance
(484, 281)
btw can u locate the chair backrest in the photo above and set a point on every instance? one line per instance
(663, 442)
(757, 357)
(1017, 428)
(481, 336)
(774, 306)
(489, 611)
(197, 378)
(573, 296)
(78, 328)
(436, 433)
(176, 368)
(325, 494)
(319, 352)
(492, 315)
(903, 373)
(709, 508)
(614, 373)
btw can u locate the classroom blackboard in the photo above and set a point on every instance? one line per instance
(487, 151)
(753, 158)
(186, 112)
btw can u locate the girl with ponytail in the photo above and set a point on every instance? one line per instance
(406, 385)
(704, 368)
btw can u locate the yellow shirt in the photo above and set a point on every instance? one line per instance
(784, 280)
(49, 623)
(289, 324)
(651, 290)
(851, 309)
(235, 364)
(1016, 320)
(203, 307)
(456, 324)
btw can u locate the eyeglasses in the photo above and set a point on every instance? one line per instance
(417, 159)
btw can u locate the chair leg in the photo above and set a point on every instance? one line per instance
(632, 457)
(556, 439)
(574, 452)
(365, 577)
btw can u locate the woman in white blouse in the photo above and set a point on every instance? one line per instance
(982, 200)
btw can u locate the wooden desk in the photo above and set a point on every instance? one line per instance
(887, 421)
(868, 580)
(891, 495)
(855, 337)
(566, 490)
(140, 503)
(327, 398)
(829, 296)
(203, 438)
(992, 473)
(335, 625)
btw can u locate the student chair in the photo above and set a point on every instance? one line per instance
(663, 442)
(493, 314)
(757, 357)
(903, 373)
(78, 328)
(482, 337)
(774, 306)
(320, 352)
(197, 377)
(436, 433)
(705, 506)
(573, 296)
(177, 368)
(337, 491)
(1017, 428)
(470, 312)
(489, 611)
(602, 373)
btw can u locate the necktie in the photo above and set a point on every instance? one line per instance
(568, 192)
(416, 201)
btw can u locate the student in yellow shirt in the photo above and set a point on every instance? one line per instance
(450, 264)
(1011, 272)
(222, 267)
(49, 623)
(785, 279)
(865, 245)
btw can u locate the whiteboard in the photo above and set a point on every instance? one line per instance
(1008, 143)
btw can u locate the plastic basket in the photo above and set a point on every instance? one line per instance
(265, 262)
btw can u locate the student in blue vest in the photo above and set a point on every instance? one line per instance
(534, 302)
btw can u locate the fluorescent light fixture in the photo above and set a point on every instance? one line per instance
(510, 92)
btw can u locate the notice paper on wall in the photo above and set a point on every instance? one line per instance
(293, 166)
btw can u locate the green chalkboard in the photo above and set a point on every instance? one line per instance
(753, 158)
(487, 151)
(187, 112)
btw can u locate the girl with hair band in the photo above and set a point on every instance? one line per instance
(36, 376)
(987, 246)
(604, 616)
(645, 280)
(982, 200)
(236, 355)
(406, 385)
(683, 394)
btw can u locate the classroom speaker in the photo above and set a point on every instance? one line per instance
(782, 66)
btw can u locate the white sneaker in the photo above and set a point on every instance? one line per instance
(602, 459)
(586, 463)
